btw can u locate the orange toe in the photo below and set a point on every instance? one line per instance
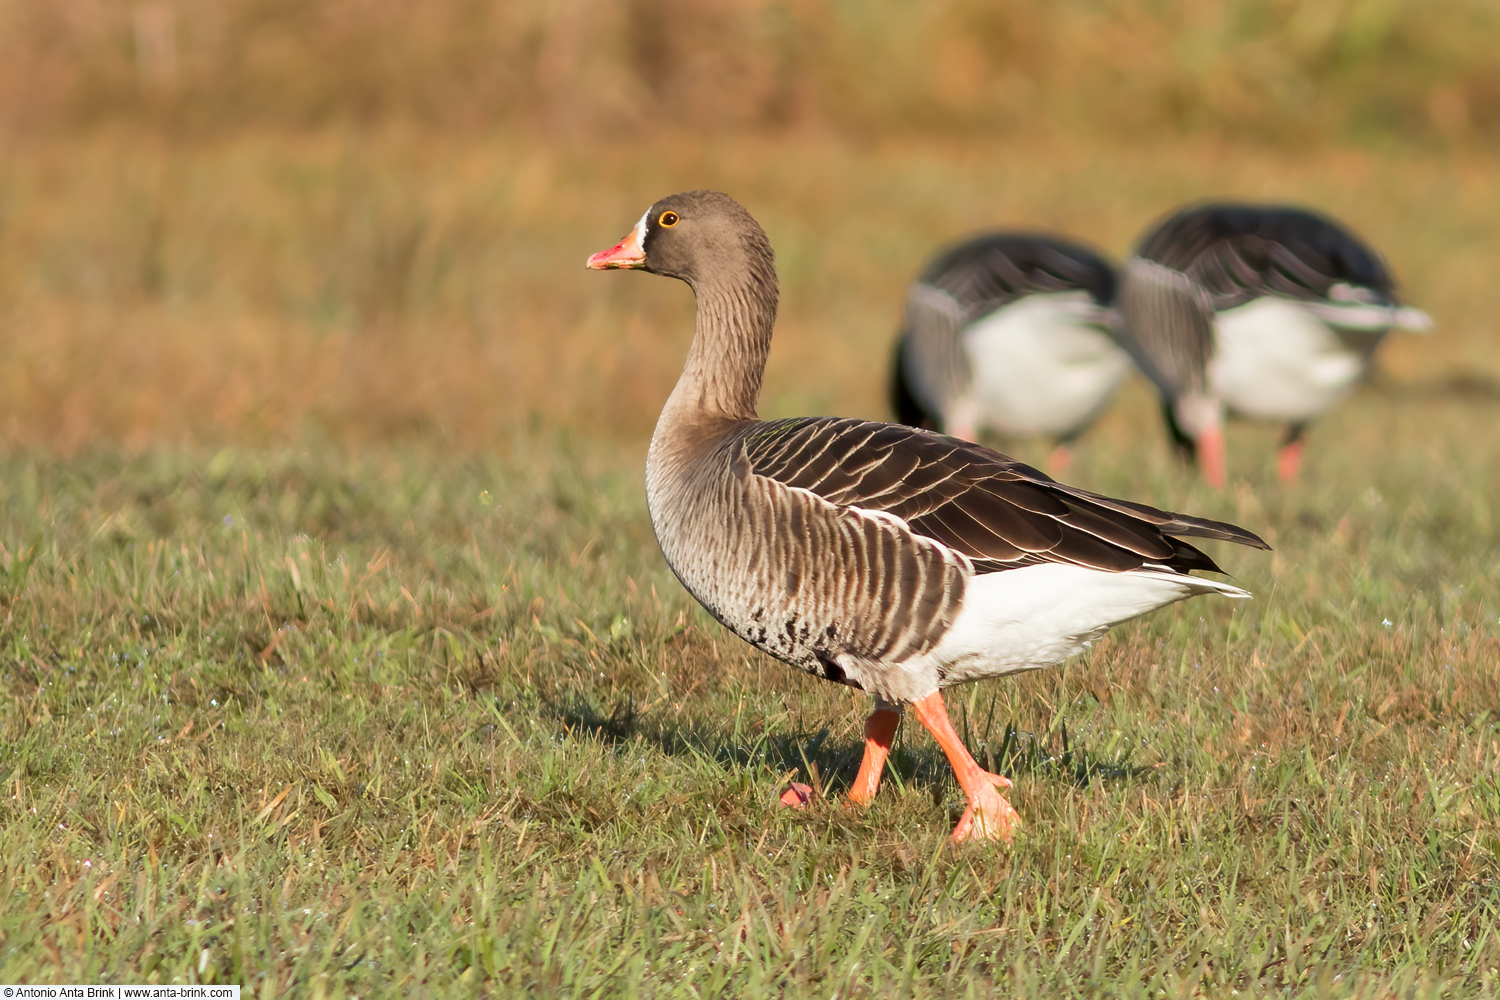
(797, 795)
(989, 815)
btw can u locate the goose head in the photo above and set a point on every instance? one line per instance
(704, 238)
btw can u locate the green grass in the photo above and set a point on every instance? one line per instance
(393, 724)
(338, 656)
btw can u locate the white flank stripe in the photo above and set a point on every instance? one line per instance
(1037, 616)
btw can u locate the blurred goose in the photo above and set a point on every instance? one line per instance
(880, 556)
(1012, 333)
(1267, 311)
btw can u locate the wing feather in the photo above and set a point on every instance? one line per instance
(990, 509)
(1240, 252)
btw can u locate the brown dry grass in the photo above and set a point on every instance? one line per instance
(363, 287)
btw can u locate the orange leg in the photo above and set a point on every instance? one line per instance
(1289, 461)
(1211, 456)
(880, 729)
(1059, 461)
(989, 816)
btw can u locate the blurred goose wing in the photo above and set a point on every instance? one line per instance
(1167, 326)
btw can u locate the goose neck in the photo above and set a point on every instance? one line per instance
(727, 360)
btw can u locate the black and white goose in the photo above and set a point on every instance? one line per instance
(880, 556)
(1010, 333)
(1265, 311)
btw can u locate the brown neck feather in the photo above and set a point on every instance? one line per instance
(732, 340)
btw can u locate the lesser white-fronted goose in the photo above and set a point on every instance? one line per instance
(881, 556)
(1011, 333)
(1266, 311)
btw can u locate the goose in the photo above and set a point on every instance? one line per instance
(879, 556)
(1266, 311)
(1009, 332)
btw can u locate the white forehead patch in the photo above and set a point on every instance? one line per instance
(640, 230)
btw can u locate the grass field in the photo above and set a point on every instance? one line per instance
(340, 659)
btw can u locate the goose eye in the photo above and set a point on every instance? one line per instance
(667, 219)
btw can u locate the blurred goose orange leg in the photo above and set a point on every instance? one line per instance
(1289, 461)
(1289, 458)
(1059, 461)
(962, 429)
(1211, 456)
(880, 730)
(989, 816)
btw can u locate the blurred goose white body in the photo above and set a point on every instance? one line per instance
(1264, 311)
(1043, 366)
(876, 555)
(1011, 333)
(1276, 360)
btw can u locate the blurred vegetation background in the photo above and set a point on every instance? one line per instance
(1286, 71)
(359, 220)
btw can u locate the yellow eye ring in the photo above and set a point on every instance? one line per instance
(667, 219)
